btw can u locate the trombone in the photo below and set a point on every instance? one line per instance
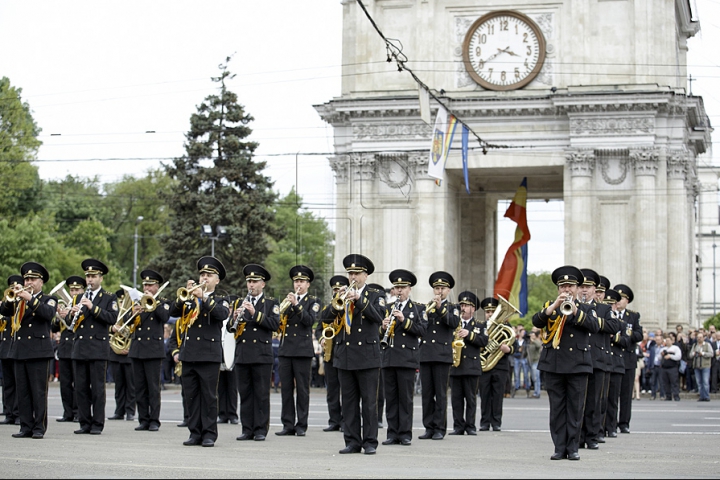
(338, 301)
(11, 294)
(185, 294)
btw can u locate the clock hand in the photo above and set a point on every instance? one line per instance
(492, 56)
(511, 52)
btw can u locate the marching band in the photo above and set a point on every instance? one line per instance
(587, 356)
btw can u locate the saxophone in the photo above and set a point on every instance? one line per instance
(457, 345)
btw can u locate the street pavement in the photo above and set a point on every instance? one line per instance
(667, 440)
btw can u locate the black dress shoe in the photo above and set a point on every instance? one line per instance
(370, 450)
(82, 431)
(259, 438)
(243, 437)
(22, 435)
(208, 443)
(182, 424)
(191, 442)
(557, 456)
(332, 428)
(592, 446)
(581, 445)
(234, 421)
(406, 441)
(142, 427)
(10, 421)
(573, 456)
(624, 430)
(457, 432)
(95, 432)
(484, 429)
(117, 417)
(471, 432)
(299, 432)
(601, 440)
(349, 450)
(154, 428)
(426, 436)
(391, 441)
(496, 429)
(130, 418)
(63, 419)
(285, 432)
(612, 435)
(437, 436)
(38, 436)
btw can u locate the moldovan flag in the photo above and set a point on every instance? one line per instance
(443, 133)
(512, 277)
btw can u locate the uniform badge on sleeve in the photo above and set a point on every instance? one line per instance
(114, 307)
(425, 316)
(594, 313)
(226, 304)
(476, 331)
(166, 306)
(381, 302)
(51, 302)
(316, 307)
(276, 309)
(628, 330)
(455, 312)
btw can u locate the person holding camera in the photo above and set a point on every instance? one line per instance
(701, 355)
(671, 356)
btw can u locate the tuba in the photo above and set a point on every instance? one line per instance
(498, 334)
(120, 341)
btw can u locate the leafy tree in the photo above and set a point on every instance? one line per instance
(218, 184)
(19, 179)
(73, 200)
(308, 242)
(714, 320)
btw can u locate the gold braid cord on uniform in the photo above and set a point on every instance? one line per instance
(283, 325)
(188, 317)
(3, 324)
(553, 331)
(17, 316)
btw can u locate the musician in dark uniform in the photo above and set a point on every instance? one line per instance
(297, 318)
(76, 286)
(147, 351)
(401, 329)
(31, 315)
(91, 317)
(436, 356)
(389, 295)
(122, 372)
(592, 419)
(465, 377)
(329, 317)
(493, 381)
(174, 347)
(201, 316)
(10, 404)
(629, 343)
(259, 317)
(617, 371)
(357, 357)
(609, 331)
(227, 385)
(566, 360)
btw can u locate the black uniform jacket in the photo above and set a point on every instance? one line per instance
(148, 337)
(573, 353)
(5, 337)
(33, 339)
(600, 342)
(470, 357)
(360, 349)
(92, 337)
(255, 344)
(617, 352)
(403, 348)
(436, 345)
(65, 346)
(202, 341)
(630, 340)
(298, 338)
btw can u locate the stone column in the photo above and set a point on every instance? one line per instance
(679, 260)
(361, 205)
(581, 164)
(643, 272)
(340, 166)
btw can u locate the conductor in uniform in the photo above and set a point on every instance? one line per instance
(10, 404)
(91, 317)
(404, 326)
(201, 316)
(566, 359)
(32, 313)
(297, 318)
(436, 356)
(76, 286)
(147, 352)
(259, 317)
(465, 376)
(357, 357)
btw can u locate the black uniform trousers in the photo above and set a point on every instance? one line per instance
(492, 391)
(434, 378)
(227, 396)
(124, 388)
(10, 404)
(200, 380)
(399, 389)
(295, 375)
(146, 373)
(567, 400)
(31, 379)
(380, 397)
(254, 387)
(626, 391)
(356, 386)
(90, 393)
(590, 424)
(332, 382)
(602, 413)
(464, 401)
(67, 388)
(611, 413)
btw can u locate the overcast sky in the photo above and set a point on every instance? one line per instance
(100, 75)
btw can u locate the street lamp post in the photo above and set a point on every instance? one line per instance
(135, 262)
(221, 232)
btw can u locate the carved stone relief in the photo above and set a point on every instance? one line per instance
(645, 160)
(614, 165)
(394, 170)
(612, 126)
(581, 162)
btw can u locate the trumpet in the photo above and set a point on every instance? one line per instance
(430, 305)
(185, 294)
(567, 306)
(338, 301)
(233, 327)
(285, 304)
(384, 341)
(11, 294)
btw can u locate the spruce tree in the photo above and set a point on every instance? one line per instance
(218, 183)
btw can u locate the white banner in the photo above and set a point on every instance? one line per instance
(442, 139)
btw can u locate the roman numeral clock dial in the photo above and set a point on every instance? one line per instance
(504, 50)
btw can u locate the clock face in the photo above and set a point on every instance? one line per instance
(504, 50)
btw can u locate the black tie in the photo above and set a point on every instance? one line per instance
(464, 323)
(254, 299)
(90, 295)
